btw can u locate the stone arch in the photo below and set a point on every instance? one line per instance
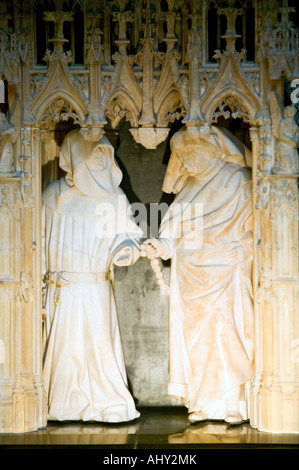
(57, 116)
(231, 102)
(119, 105)
(170, 109)
(60, 103)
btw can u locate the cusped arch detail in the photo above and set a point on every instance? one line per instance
(120, 105)
(231, 103)
(171, 108)
(59, 106)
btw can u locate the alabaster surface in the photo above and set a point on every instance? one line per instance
(84, 371)
(138, 71)
(211, 250)
(7, 164)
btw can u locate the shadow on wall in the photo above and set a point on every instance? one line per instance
(142, 310)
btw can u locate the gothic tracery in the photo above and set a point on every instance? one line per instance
(89, 63)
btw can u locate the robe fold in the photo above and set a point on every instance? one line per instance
(83, 365)
(211, 305)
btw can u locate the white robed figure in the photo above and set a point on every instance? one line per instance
(84, 369)
(207, 233)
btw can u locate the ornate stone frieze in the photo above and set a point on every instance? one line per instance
(284, 190)
(230, 107)
(91, 64)
(58, 111)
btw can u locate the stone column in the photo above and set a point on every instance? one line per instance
(274, 397)
(22, 399)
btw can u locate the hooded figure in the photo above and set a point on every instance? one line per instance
(207, 233)
(87, 228)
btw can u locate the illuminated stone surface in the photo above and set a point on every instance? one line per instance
(157, 66)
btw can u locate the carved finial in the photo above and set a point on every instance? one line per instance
(5, 16)
(59, 17)
(122, 17)
(285, 10)
(171, 17)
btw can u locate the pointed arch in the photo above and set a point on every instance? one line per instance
(60, 105)
(231, 102)
(121, 104)
(170, 108)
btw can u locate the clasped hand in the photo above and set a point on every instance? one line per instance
(151, 248)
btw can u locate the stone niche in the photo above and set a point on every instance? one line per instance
(139, 71)
(142, 310)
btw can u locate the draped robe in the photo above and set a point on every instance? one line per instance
(84, 369)
(211, 320)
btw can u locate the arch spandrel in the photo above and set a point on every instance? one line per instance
(58, 85)
(231, 82)
(124, 97)
(237, 102)
(58, 107)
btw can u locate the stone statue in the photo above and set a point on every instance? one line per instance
(286, 133)
(286, 155)
(84, 370)
(211, 305)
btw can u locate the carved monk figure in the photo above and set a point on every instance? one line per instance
(84, 370)
(207, 233)
(6, 148)
(286, 155)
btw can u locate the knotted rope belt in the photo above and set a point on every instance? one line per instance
(63, 278)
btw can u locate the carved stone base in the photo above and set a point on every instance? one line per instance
(24, 412)
(274, 396)
(276, 409)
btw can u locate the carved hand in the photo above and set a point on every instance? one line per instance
(152, 248)
(123, 257)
